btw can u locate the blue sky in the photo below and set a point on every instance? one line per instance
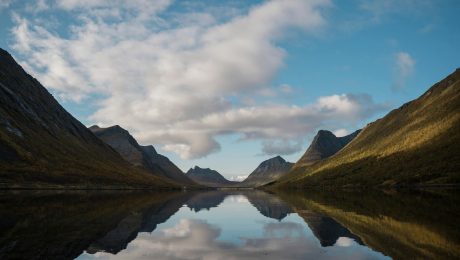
(227, 85)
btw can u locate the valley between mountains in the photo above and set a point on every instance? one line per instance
(43, 146)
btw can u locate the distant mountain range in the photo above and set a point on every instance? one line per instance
(268, 171)
(208, 177)
(416, 144)
(43, 146)
(143, 156)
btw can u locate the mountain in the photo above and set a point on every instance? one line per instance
(208, 177)
(324, 145)
(43, 146)
(416, 144)
(268, 204)
(207, 199)
(79, 221)
(143, 156)
(268, 171)
(326, 229)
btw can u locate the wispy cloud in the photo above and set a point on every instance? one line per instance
(281, 147)
(404, 68)
(174, 81)
(5, 3)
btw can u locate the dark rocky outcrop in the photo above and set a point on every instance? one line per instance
(324, 145)
(143, 156)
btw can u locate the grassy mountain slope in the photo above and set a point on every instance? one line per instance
(418, 143)
(43, 146)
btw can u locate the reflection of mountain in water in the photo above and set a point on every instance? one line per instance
(326, 229)
(62, 226)
(406, 224)
(268, 204)
(146, 221)
(206, 200)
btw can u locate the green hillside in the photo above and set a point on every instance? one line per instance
(418, 143)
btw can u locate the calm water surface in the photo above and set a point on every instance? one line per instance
(242, 224)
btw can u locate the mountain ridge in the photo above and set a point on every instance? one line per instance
(142, 156)
(415, 144)
(208, 177)
(44, 146)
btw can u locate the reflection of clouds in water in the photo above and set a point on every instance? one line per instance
(196, 239)
(344, 242)
(284, 229)
(237, 199)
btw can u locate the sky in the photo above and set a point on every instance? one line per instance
(228, 84)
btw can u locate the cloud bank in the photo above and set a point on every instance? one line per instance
(183, 79)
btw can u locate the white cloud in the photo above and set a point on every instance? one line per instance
(340, 132)
(404, 67)
(238, 178)
(344, 242)
(175, 84)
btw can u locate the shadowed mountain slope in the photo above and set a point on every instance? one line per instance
(416, 144)
(42, 145)
(143, 156)
(268, 171)
(50, 225)
(324, 145)
(208, 177)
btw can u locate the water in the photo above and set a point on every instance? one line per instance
(233, 224)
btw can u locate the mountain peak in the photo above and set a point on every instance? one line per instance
(207, 177)
(325, 132)
(144, 156)
(275, 160)
(59, 150)
(324, 145)
(268, 170)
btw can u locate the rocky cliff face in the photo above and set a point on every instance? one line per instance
(142, 156)
(42, 145)
(324, 145)
(208, 177)
(268, 171)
